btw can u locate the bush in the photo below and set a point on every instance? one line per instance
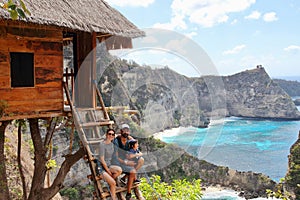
(178, 189)
(72, 193)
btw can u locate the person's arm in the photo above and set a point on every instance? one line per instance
(104, 165)
(134, 155)
(130, 137)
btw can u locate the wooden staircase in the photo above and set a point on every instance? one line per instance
(89, 123)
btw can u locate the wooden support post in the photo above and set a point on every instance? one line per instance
(94, 66)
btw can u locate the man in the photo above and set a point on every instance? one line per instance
(121, 150)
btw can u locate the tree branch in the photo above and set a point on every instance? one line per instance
(4, 191)
(50, 132)
(57, 184)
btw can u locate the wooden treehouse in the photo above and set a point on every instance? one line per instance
(33, 81)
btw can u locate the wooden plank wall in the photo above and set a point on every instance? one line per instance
(85, 94)
(47, 94)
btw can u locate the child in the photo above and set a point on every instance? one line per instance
(134, 154)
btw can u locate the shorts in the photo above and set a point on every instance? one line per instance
(126, 169)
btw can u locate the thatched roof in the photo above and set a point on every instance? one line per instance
(83, 15)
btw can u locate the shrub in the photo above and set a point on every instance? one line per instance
(72, 193)
(155, 189)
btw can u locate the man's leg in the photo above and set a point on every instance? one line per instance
(131, 178)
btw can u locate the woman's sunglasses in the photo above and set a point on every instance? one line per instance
(112, 134)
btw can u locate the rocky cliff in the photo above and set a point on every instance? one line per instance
(291, 87)
(293, 174)
(249, 184)
(176, 100)
(253, 93)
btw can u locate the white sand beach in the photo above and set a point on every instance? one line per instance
(218, 192)
(173, 132)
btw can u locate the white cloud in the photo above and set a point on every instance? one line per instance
(208, 13)
(292, 48)
(270, 17)
(132, 3)
(176, 22)
(254, 15)
(235, 50)
(234, 22)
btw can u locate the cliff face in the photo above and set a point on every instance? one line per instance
(293, 174)
(183, 101)
(249, 184)
(291, 87)
(253, 94)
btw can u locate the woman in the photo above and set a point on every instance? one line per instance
(109, 172)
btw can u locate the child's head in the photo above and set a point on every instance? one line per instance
(133, 144)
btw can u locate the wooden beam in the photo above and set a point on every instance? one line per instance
(29, 116)
(94, 66)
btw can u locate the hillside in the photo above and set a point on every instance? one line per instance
(291, 87)
(166, 99)
(293, 174)
(249, 184)
(253, 93)
(163, 95)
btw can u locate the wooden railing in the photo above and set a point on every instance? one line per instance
(68, 80)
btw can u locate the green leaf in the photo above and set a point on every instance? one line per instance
(24, 8)
(21, 13)
(22, 5)
(10, 2)
(13, 14)
(12, 6)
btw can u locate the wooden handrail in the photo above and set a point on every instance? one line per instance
(106, 116)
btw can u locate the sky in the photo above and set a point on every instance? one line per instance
(235, 34)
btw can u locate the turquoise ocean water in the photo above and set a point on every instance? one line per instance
(243, 144)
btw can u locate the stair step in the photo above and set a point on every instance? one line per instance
(118, 190)
(94, 141)
(90, 177)
(91, 124)
(89, 109)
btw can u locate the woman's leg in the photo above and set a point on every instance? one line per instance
(115, 170)
(112, 184)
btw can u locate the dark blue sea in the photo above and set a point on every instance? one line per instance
(243, 144)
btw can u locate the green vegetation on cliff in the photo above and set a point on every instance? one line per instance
(293, 175)
(154, 188)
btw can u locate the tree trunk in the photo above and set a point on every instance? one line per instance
(38, 191)
(40, 161)
(20, 166)
(4, 192)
